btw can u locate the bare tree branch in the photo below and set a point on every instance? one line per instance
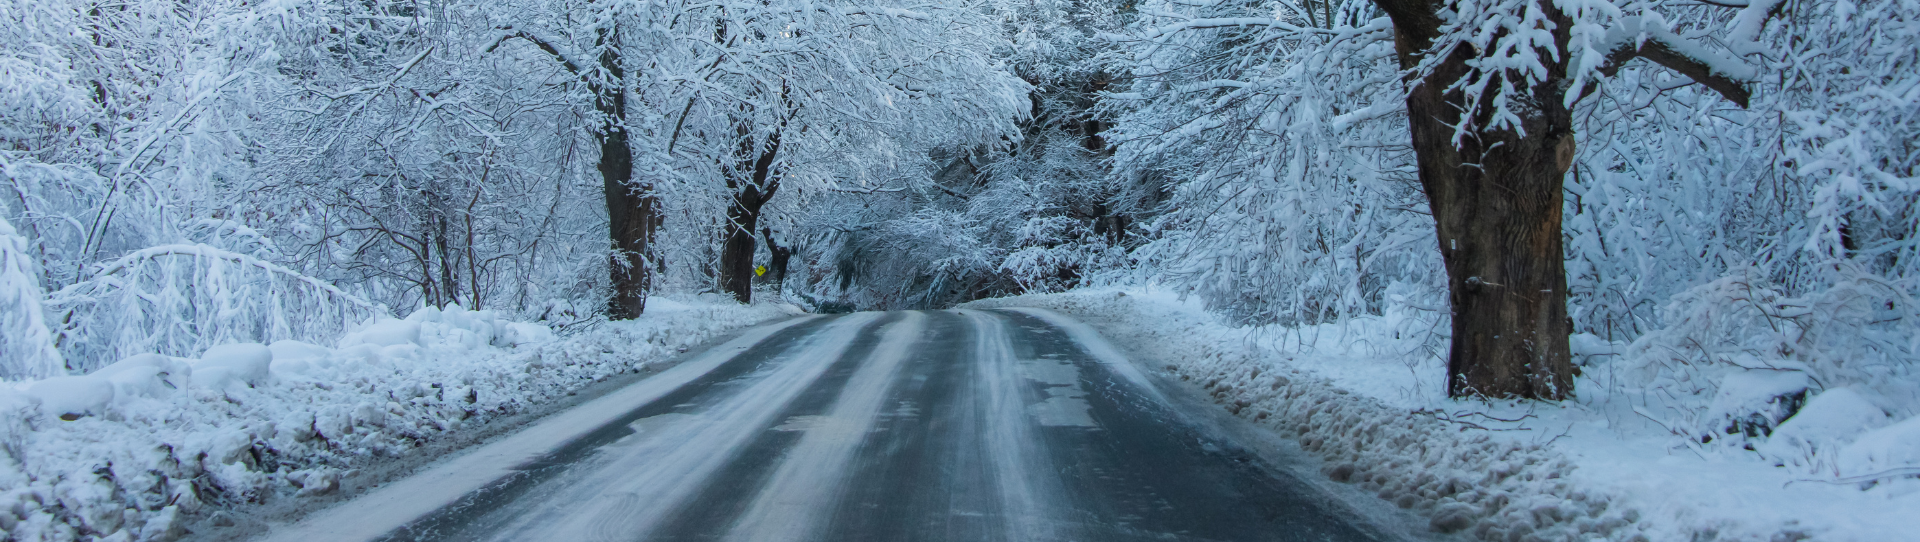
(568, 63)
(1666, 49)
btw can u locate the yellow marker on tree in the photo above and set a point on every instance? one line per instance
(759, 270)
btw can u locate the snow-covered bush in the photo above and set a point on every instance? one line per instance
(178, 300)
(1284, 135)
(1793, 377)
(141, 447)
(26, 346)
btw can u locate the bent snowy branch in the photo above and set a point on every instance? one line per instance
(1726, 76)
(568, 63)
(180, 299)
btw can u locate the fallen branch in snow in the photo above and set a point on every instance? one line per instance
(1454, 418)
(1861, 479)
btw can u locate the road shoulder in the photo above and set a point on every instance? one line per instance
(1167, 365)
(258, 521)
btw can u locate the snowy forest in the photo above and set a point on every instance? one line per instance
(1716, 202)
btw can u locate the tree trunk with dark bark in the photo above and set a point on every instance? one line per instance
(632, 218)
(743, 213)
(1496, 201)
(736, 255)
(1499, 232)
(1496, 196)
(779, 255)
(632, 208)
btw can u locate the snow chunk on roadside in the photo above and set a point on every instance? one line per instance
(290, 350)
(1892, 447)
(1753, 402)
(1829, 420)
(385, 332)
(292, 358)
(523, 333)
(71, 397)
(224, 365)
(147, 375)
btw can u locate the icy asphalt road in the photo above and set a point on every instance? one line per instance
(966, 425)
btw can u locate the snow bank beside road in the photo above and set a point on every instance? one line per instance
(135, 449)
(1589, 469)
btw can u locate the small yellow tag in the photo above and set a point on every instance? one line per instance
(760, 270)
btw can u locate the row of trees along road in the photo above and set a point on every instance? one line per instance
(535, 157)
(762, 95)
(1292, 162)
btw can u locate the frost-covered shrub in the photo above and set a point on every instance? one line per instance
(1743, 362)
(141, 448)
(26, 347)
(1284, 143)
(180, 300)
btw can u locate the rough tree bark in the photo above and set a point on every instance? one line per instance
(750, 194)
(1496, 199)
(632, 217)
(777, 264)
(633, 210)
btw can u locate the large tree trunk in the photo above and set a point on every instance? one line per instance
(632, 216)
(751, 193)
(736, 255)
(632, 208)
(1498, 220)
(1499, 233)
(779, 256)
(1496, 196)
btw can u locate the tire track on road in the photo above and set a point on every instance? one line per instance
(664, 468)
(810, 482)
(1028, 487)
(446, 496)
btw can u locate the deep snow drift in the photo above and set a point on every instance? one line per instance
(1622, 461)
(138, 449)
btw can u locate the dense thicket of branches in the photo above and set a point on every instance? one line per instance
(1300, 110)
(182, 174)
(1259, 155)
(1041, 211)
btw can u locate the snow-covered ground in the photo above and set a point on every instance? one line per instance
(142, 448)
(1367, 397)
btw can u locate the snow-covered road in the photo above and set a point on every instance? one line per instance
(1018, 425)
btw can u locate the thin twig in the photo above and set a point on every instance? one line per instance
(1864, 478)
